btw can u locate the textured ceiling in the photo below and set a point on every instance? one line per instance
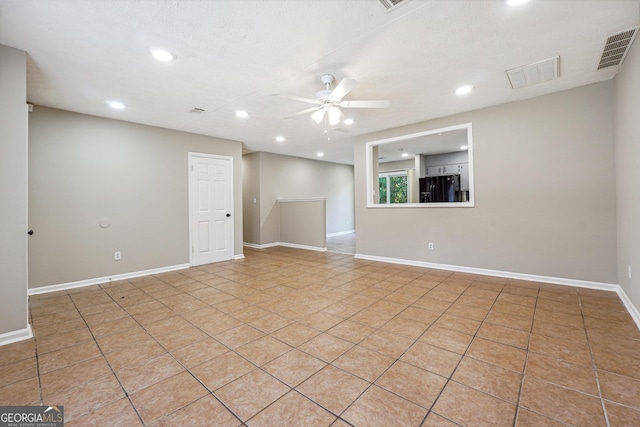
(239, 54)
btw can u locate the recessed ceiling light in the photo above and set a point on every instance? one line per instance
(462, 90)
(516, 2)
(242, 114)
(348, 121)
(116, 104)
(162, 55)
(464, 147)
(280, 138)
(320, 154)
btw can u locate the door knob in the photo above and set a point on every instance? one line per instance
(228, 215)
(30, 232)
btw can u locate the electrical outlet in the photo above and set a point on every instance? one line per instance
(629, 268)
(117, 256)
(430, 246)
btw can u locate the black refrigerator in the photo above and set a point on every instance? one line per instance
(438, 189)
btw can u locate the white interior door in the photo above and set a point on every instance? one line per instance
(210, 205)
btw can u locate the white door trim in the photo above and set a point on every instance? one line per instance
(192, 209)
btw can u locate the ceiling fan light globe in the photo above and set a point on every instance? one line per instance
(318, 116)
(334, 116)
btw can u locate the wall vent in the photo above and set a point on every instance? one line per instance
(616, 48)
(535, 73)
(392, 4)
(197, 110)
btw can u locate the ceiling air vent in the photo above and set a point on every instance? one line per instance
(535, 73)
(197, 110)
(616, 48)
(392, 4)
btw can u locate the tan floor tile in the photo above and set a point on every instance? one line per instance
(351, 331)
(294, 367)
(333, 389)
(560, 348)
(134, 354)
(620, 389)
(433, 359)
(17, 351)
(447, 339)
(17, 371)
(205, 412)
(239, 336)
(616, 354)
(522, 323)
(326, 347)
(566, 319)
(222, 370)
(295, 334)
(198, 352)
(401, 325)
(466, 406)
(560, 331)
(293, 409)
(144, 374)
(270, 323)
(126, 338)
(321, 321)
(378, 407)
(577, 377)
(68, 356)
(364, 363)
(458, 324)
(180, 337)
(165, 325)
(88, 397)
(414, 384)
(263, 350)
(435, 420)
(153, 316)
(497, 354)
(371, 318)
(387, 343)
(251, 393)
(561, 403)
(55, 342)
(167, 396)
(528, 418)
(114, 327)
(493, 380)
(504, 335)
(619, 415)
(55, 382)
(119, 413)
(21, 393)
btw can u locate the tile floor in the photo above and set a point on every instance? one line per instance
(344, 243)
(288, 337)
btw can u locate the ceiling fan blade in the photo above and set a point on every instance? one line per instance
(299, 98)
(345, 86)
(365, 104)
(308, 110)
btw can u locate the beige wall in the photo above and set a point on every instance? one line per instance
(13, 191)
(303, 222)
(286, 177)
(627, 164)
(84, 168)
(544, 193)
(251, 192)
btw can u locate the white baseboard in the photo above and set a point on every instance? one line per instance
(341, 233)
(15, 336)
(99, 280)
(633, 311)
(309, 248)
(288, 245)
(496, 273)
(239, 256)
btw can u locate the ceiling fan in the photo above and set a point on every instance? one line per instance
(329, 101)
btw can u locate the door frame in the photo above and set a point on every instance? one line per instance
(192, 200)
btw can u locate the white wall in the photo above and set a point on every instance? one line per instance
(13, 194)
(84, 168)
(627, 165)
(544, 193)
